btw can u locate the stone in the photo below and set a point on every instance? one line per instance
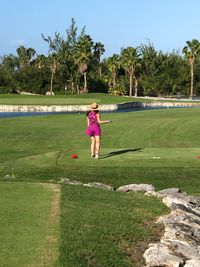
(9, 177)
(184, 249)
(69, 181)
(136, 188)
(195, 200)
(99, 185)
(192, 263)
(182, 232)
(50, 93)
(170, 191)
(160, 255)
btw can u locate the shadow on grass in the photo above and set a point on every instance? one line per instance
(119, 152)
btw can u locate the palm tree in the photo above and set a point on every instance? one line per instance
(113, 64)
(53, 63)
(25, 56)
(40, 61)
(82, 54)
(130, 62)
(30, 53)
(191, 51)
(98, 51)
(21, 52)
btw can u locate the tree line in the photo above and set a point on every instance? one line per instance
(74, 65)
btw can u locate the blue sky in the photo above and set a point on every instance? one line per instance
(168, 24)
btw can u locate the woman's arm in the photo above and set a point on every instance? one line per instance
(99, 119)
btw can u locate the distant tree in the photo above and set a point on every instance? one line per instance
(53, 63)
(55, 45)
(98, 51)
(113, 64)
(191, 51)
(82, 53)
(130, 62)
(25, 56)
(69, 64)
(162, 73)
(8, 67)
(40, 61)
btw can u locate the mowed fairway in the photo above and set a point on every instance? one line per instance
(96, 227)
(158, 147)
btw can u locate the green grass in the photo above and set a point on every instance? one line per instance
(105, 228)
(40, 148)
(25, 225)
(97, 228)
(83, 99)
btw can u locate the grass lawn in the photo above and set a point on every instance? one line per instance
(103, 228)
(83, 99)
(159, 147)
(100, 228)
(28, 228)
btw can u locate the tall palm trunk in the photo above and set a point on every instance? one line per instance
(136, 87)
(114, 79)
(51, 85)
(192, 79)
(85, 82)
(130, 85)
(99, 72)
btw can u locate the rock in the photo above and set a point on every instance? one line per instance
(99, 185)
(192, 263)
(9, 177)
(160, 255)
(170, 191)
(50, 93)
(51, 181)
(172, 202)
(182, 231)
(136, 188)
(194, 200)
(184, 249)
(69, 181)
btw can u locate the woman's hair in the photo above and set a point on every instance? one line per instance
(95, 111)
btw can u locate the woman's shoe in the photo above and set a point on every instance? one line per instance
(96, 156)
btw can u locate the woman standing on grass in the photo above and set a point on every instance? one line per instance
(94, 129)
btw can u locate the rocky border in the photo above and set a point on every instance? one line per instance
(103, 107)
(180, 244)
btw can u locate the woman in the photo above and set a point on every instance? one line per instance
(94, 130)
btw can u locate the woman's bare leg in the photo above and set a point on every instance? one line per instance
(97, 146)
(92, 147)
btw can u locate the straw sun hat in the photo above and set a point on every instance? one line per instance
(94, 106)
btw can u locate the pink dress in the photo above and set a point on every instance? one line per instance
(94, 127)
